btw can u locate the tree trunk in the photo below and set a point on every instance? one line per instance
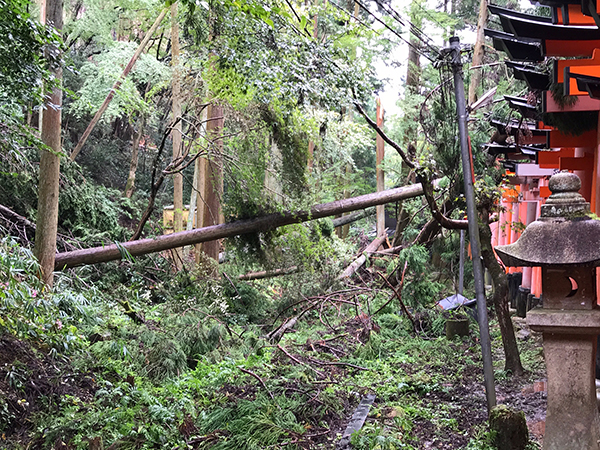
(199, 175)
(401, 224)
(259, 224)
(200, 202)
(213, 181)
(47, 214)
(176, 133)
(478, 51)
(347, 219)
(380, 175)
(500, 300)
(135, 153)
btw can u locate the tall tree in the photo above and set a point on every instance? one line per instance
(478, 51)
(213, 178)
(47, 215)
(176, 134)
(213, 175)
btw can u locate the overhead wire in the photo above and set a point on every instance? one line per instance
(410, 44)
(416, 31)
(331, 2)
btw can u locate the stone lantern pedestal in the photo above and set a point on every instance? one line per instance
(565, 242)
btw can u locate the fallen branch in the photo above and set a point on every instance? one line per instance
(335, 363)
(252, 374)
(14, 220)
(451, 224)
(268, 274)
(398, 295)
(117, 84)
(296, 360)
(385, 137)
(389, 251)
(277, 334)
(371, 248)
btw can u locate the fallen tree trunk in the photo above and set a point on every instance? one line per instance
(114, 252)
(371, 248)
(344, 220)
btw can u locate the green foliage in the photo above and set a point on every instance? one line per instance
(89, 211)
(246, 301)
(133, 417)
(100, 74)
(573, 123)
(27, 312)
(377, 437)
(418, 290)
(30, 44)
(100, 22)
(254, 424)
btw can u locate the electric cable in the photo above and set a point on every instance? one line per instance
(416, 31)
(416, 48)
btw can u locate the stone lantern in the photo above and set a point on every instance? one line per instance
(565, 243)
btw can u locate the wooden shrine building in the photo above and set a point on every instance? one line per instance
(557, 128)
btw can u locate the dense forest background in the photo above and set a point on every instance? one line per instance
(111, 111)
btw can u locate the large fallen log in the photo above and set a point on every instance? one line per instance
(114, 252)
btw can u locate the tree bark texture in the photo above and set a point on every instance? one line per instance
(48, 187)
(358, 262)
(200, 202)
(258, 224)
(478, 51)
(213, 180)
(500, 301)
(403, 219)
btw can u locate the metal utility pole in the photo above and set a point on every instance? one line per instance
(478, 275)
(461, 264)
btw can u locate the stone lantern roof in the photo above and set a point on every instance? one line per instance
(564, 235)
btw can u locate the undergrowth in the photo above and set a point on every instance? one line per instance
(192, 362)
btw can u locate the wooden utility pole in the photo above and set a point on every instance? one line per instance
(48, 186)
(176, 133)
(379, 170)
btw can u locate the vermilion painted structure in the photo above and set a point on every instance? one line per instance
(536, 149)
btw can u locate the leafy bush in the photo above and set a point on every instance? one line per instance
(27, 312)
